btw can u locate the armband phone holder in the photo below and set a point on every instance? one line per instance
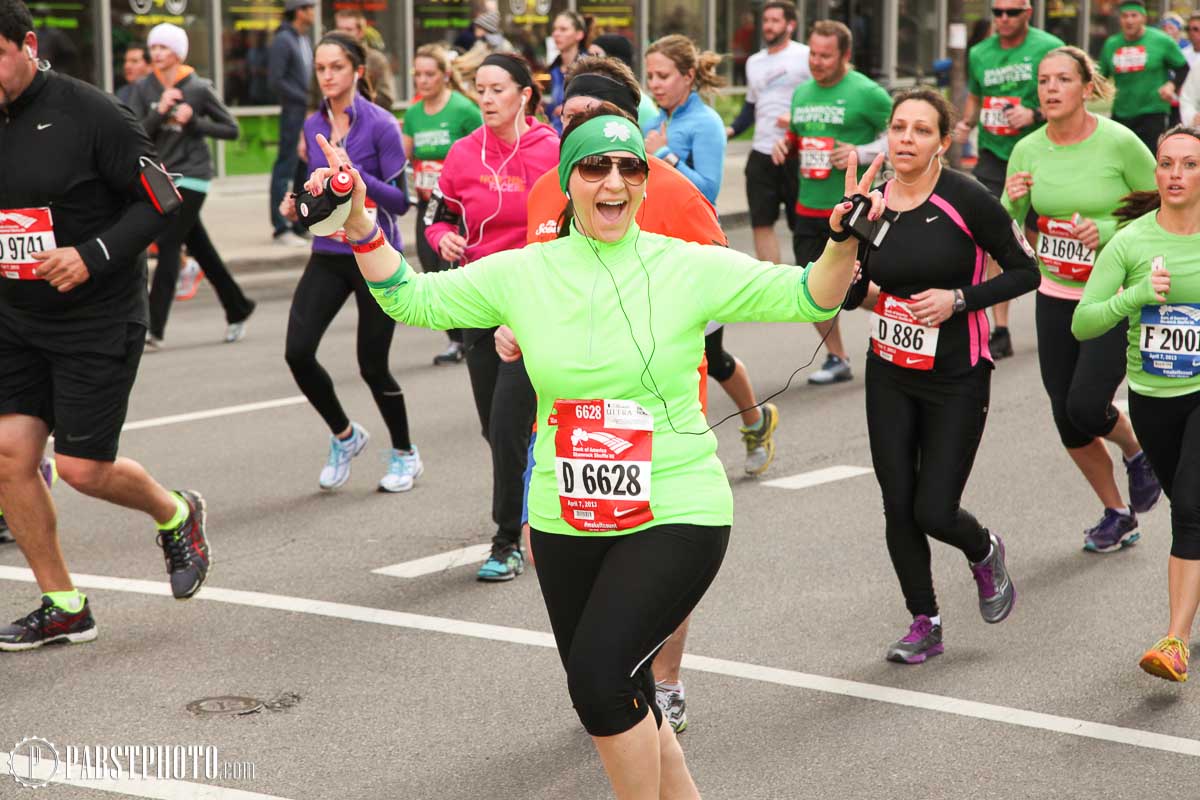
(439, 210)
(326, 213)
(869, 231)
(159, 188)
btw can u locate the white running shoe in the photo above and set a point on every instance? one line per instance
(403, 470)
(337, 469)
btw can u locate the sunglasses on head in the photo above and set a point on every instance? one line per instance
(596, 168)
(1008, 12)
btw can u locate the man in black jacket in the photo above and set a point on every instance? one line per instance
(289, 72)
(79, 200)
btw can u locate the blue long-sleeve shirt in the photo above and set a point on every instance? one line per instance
(695, 133)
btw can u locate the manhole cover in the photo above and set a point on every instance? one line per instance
(225, 705)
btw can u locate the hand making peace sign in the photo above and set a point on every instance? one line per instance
(855, 186)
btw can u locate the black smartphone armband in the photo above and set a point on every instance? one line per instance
(159, 188)
(439, 210)
(872, 232)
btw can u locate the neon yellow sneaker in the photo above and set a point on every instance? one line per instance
(1168, 659)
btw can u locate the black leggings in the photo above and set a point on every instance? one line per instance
(613, 601)
(187, 229)
(507, 406)
(924, 433)
(326, 283)
(1080, 377)
(431, 261)
(721, 364)
(1169, 431)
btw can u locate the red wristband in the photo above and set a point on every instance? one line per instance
(379, 241)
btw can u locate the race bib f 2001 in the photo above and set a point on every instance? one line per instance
(23, 232)
(899, 337)
(602, 459)
(1170, 340)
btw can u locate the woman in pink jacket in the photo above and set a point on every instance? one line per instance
(482, 193)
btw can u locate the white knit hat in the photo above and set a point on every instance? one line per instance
(172, 37)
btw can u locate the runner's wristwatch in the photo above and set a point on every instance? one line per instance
(960, 303)
(671, 159)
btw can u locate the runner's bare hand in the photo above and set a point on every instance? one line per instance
(1018, 185)
(62, 268)
(779, 152)
(1087, 232)
(933, 306)
(184, 113)
(506, 344)
(452, 247)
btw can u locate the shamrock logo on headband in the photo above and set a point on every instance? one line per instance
(615, 130)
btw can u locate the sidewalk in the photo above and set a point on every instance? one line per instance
(236, 215)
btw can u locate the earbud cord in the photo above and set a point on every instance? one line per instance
(496, 173)
(653, 386)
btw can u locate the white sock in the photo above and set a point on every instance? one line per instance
(936, 619)
(1123, 511)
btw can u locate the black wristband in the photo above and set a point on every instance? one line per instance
(844, 234)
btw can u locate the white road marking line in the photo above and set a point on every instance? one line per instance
(225, 411)
(133, 787)
(734, 669)
(439, 563)
(815, 478)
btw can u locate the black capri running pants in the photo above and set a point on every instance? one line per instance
(322, 291)
(925, 431)
(1080, 377)
(431, 261)
(613, 601)
(721, 364)
(1169, 431)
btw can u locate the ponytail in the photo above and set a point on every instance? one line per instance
(445, 61)
(1137, 204)
(687, 57)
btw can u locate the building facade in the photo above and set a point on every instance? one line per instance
(896, 41)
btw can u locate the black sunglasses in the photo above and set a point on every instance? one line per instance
(596, 168)
(1008, 12)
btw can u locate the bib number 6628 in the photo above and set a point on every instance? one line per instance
(601, 479)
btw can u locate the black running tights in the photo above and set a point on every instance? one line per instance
(613, 601)
(924, 434)
(326, 283)
(1169, 431)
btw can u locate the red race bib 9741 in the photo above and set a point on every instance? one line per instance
(602, 459)
(23, 232)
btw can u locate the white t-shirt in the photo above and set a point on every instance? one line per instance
(770, 80)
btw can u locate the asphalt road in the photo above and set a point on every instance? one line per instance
(441, 687)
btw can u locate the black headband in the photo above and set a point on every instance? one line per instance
(603, 87)
(518, 70)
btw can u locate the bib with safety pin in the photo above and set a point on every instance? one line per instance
(1061, 252)
(993, 116)
(602, 459)
(23, 232)
(1170, 340)
(816, 157)
(899, 337)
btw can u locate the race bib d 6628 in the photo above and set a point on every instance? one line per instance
(602, 459)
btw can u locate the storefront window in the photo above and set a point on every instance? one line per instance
(917, 38)
(1062, 20)
(68, 37)
(737, 36)
(686, 17)
(865, 20)
(443, 21)
(527, 25)
(246, 32)
(133, 19)
(385, 29)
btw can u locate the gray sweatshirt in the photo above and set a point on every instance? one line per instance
(183, 148)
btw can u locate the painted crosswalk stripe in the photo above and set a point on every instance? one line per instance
(438, 563)
(735, 669)
(815, 478)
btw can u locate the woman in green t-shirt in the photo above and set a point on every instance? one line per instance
(630, 506)
(441, 116)
(1149, 279)
(1073, 173)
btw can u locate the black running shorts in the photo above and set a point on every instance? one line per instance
(768, 186)
(77, 378)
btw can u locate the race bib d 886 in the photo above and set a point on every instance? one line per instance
(1170, 340)
(23, 232)
(899, 337)
(602, 459)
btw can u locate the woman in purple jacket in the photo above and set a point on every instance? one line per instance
(370, 138)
